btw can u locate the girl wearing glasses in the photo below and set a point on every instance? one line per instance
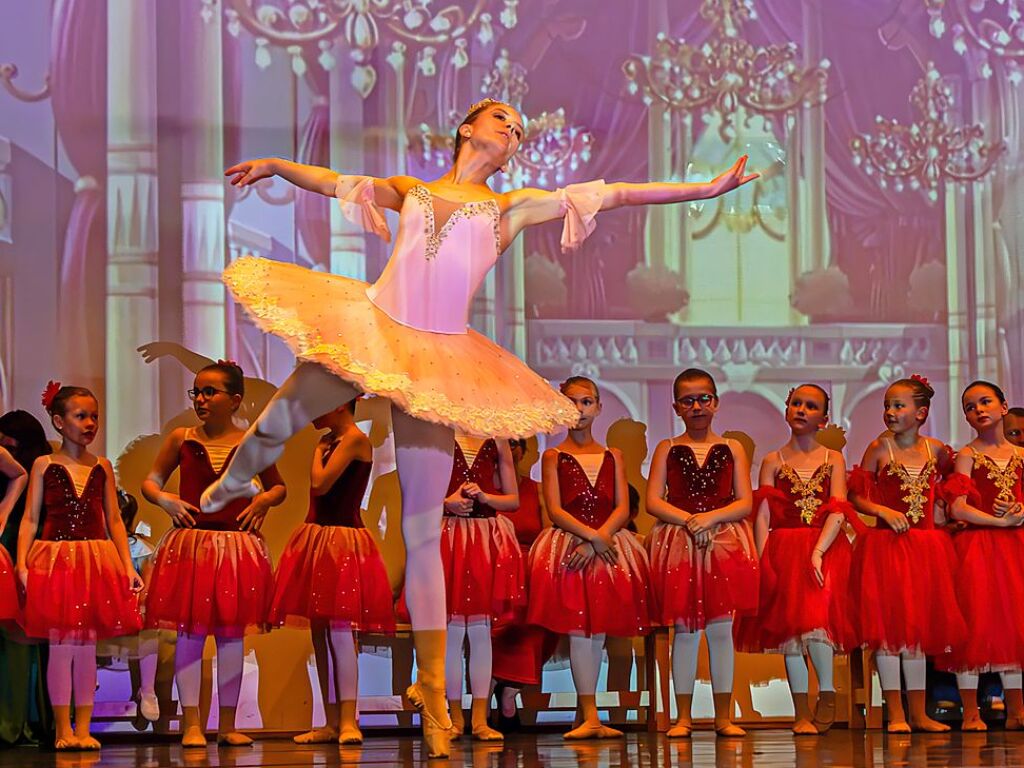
(804, 558)
(211, 573)
(703, 563)
(587, 574)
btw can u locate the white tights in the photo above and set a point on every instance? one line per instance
(585, 655)
(423, 453)
(477, 629)
(337, 663)
(71, 667)
(914, 670)
(968, 681)
(188, 668)
(685, 648)
(796, 668)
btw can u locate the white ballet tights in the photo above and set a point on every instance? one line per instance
(914, 670)
(478, 630)
(968, 681)
(796, 668)
(721, 655)
(345, 663)
(71, 667)
(188, 668)
(423, 453)
(149, 645)
(585, 655)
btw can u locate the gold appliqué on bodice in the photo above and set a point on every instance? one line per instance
(434, 238)
(1003, 478)
(807, 490)
(914, 488)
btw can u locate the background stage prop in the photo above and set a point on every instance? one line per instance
(883, 240)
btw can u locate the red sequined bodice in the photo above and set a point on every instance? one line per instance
(994, 482)
(593, 504)
(342, 504)
(913, 494)
(482, 472)
(805, 499)
(696, 488)
(197, 474)
(70, 516)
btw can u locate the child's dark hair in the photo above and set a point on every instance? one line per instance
(579, 381)
(818, 388)
(234, 378)
(58, 403)
(694, 374)
(922, 390)
(980, 383)
(129, 507)
(1018, 412)
(517, 442)
(29, 435)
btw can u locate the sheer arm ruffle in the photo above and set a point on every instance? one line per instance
(846, 509)
(580, 204)
(358, 204)
(957, 485)
(861, 483)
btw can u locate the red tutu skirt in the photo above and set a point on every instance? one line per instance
(210, 582)
(691, 586)
(484, 573)
(10, 609)
(598, 598)
(78, 592)
(903, 588)
(990, 593)
(332, 574)
(793, 609)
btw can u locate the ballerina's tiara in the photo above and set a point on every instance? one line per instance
(485, 102)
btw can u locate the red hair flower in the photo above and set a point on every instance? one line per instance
(920, 380)
(52, 388)
(227, 362)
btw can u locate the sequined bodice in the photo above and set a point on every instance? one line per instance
(805, 498)
(71, 516)
(342, 504)
(590, 504)
(482, 472)
(442, 253)
(995, 482)
(197, 473)
(911, 493)
(696, 488)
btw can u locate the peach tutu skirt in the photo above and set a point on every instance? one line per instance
(210, 583)
(332, 574)
(77, 592)
(464, 381)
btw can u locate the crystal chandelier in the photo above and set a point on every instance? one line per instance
(299, 25)
(930, 151)
(727, 72)
(993, 30)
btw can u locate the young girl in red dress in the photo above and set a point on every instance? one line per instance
(14, 479)
(483, 567)
(804, 559)
(903, 571)
(331, 578)
(703, 563)
(985, 494)
(211, 572)
(77, 570)
(587, 574)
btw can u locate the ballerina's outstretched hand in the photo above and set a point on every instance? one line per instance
(735, 177)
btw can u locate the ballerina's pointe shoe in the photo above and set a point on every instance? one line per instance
(436, 732)
(222, 492)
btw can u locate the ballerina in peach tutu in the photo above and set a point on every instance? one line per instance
(406, 338)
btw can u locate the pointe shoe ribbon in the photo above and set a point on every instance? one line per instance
(436, 733)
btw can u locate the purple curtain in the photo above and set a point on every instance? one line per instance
(78, 70)
(312, 210)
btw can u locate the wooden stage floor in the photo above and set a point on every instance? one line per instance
(765, 748)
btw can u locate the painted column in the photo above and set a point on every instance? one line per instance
(957, 303)
(348, 243)
(202, 188)
(132, 243)
(815, 255)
